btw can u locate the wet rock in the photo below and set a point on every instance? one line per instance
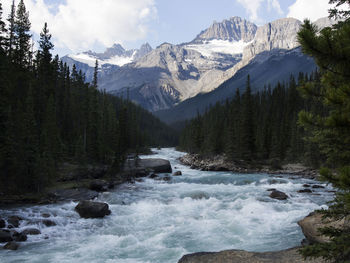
(5, 235)
(166, 178)
(90, 209)
(304, 191)
(45, 215)
(153, 175)
(271, 189)
(177, 173)
(306, 185)
(318, 186)
(11, 246)
(31, 231)
(2, 223)
(156, 165)
(19, 237)
(48, 222)
(99, 185)
(14, 220)
(240, 256)
(73, 194)
(278, 195)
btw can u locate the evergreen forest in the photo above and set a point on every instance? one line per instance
(50, 115)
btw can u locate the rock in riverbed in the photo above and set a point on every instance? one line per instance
(11, 246)
(177, 173)
(31, 231)
(90, 209)
(240, 256)
(5, 235)
(278, 195)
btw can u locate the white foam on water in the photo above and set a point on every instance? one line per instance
(156, 221)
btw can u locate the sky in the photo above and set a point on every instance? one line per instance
(81, 25)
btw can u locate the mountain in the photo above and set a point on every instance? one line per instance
(267, 68)
(170, 75)
(111, 59)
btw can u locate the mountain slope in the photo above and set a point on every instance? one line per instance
(266, 68)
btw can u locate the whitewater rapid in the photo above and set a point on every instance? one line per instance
(158, 222)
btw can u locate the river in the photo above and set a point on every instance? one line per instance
(156, 221)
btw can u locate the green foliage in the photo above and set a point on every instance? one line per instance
(330, 129)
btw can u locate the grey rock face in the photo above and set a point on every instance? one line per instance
(233, 29)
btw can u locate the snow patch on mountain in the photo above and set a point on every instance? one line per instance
(90, 60)
(212, 47)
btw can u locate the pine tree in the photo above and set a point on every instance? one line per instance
(331, 131)
(21, 33)
(247, 124)
(2, 31)
(11, 30)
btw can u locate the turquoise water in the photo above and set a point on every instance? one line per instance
(157, 221)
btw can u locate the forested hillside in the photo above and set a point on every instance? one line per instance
(256, 127)
(48, 114)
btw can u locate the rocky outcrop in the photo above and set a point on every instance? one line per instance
(233, 29)
(310, 225)
(90, 209)
(239, 256)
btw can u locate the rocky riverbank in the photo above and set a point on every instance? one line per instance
(75, 182)
(309, 226)
(220, 163)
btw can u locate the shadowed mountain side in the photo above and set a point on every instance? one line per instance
(266, 68)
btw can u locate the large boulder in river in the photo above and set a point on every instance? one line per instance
(239, 256)
(278, 195)
(155, 165)
(310, 225)
(90, 209)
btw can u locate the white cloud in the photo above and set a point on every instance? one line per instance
(80, 24)
(311, 9)
(253, 6)
(274, 4)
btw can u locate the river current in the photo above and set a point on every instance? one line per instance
(157, 221)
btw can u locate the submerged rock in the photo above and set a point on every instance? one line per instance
(11, 246)
(31, 231)
(305, 191)
(90, 209)
(19, 237)
(14, 220)
(278, 195)
(48, 222)
(177, 173)
(240, 256)
(318, 186)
